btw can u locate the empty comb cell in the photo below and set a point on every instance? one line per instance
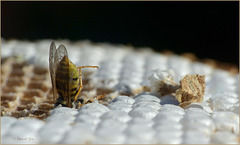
(8, 97)
(32, 93)
(22, 107)
(15, 82)
(39, 78)
(17, 73)
(38, 85)
(5, 104)
(28, 101)
(45, 106)
(40, 71)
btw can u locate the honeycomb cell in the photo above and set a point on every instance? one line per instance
(8, 97)
(27, 101)
(38, 85)
(5, 104)
(17, 73)
(18, 65)
(39, 78)
(49, 100)
(40, 71)
(39, 112)
(22, 107)
(9, 90)
(32, 93)
(45, 106)
(104, 91)
(19, 114)
(15, 82)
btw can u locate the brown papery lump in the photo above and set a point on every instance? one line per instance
(191, 90)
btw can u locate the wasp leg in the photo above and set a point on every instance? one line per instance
(101, 96)
(80, 67)
(80, 79)
(98, 97)
(89, 101)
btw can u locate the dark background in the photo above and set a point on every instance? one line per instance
(208, 29)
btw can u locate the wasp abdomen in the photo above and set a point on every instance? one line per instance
(67, 79)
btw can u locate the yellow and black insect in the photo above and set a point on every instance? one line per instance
(66, 78)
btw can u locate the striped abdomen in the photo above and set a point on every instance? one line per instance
(67, 80)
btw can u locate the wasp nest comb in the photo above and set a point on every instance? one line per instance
(143, 92)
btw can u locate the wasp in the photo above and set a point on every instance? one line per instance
(66, 78)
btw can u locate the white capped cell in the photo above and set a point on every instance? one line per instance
(64, 118)
(138, 133)
(105, 83)
(31, 123)
(147, 113)
(113, 124)
(169, 99)
(153, 105)
(7, 48)
(180, 65)
(21, 134)
(63, 110)
(164, 125)
(31, 139)
(74, 55)
(84, 125)
(196, 111)
(116, 115)
(201, 68)
(92, 120)
(6, 123)
(172, 108)
(223, 76)
(146, 97)
(168, 116)
(226, 121)
(126, 86)
(95, 106)
(125, 99)
(53, 132)
(236, 109)
(109, 136)
(224, 137)
(24, 50)
(168, 136)
(90, 112)
(140, 121)
(121, 106)
(195, 137)
(204, 105)
(207, 130)
(40, 61)
(224, 101)
(78, 136)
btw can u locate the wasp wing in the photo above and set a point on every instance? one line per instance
(52, 69)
